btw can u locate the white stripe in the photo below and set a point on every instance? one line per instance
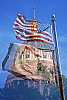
(47, 33)
(19, 21)
(18, 31)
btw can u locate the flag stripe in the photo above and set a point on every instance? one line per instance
(16, 25)
(39, 40)
(35, 36)
(31, 40)
(23, 24)
(45, 33)
(38, 36)
(21, 18)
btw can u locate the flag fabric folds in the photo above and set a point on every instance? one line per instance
(22, 23)
(28, 31)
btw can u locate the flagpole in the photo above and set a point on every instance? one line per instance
(60, 81)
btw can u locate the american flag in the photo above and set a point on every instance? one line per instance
(23, 24)
(28, 31)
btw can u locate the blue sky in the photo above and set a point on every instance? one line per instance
(44, 10)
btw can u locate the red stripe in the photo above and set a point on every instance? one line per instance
(39, 40)
(45, 33)
(31, 40)
(34, 36)
(18, 22)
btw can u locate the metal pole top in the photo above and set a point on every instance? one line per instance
(53, 17)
